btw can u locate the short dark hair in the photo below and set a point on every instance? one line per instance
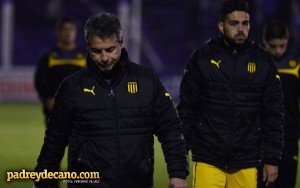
(230, 6)
(275, 29)
(103, 25)
(64, 20)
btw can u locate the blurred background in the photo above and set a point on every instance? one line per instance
(158, 34)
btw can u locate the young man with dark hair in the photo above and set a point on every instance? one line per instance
(108, 113)
(276, 37)
(231, 106)
(62, 60)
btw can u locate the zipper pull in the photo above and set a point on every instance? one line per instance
(111, 94)
(234, 52)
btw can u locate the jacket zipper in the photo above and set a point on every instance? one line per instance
(227, 165)
(112, 96)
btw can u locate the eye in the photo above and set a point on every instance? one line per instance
(96, 51)
(245, 23)
(111, 49)
(233, 23)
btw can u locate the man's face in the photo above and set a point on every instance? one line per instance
(276, 47)
(236, 27)
(67, 33)
(105, 52)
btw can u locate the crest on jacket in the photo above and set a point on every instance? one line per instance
(292, 63)
(251, 67)
(132, 87)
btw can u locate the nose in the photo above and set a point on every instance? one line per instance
(278, 51)
(239, 28)
(104, 57)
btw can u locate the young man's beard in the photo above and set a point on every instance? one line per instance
(231, 42)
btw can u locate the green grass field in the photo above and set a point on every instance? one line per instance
(21, 137)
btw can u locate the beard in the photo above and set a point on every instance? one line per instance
(234, 42)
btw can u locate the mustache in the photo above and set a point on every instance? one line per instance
(240, 35)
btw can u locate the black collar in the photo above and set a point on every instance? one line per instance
(234, 48)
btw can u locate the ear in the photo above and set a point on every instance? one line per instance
(221, 27)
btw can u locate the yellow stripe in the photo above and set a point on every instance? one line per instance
(59, 62)
(132, 88)
(135, 87)
(292, 71)
(129, 87)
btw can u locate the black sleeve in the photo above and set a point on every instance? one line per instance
(57, 133)
(169, 133)
(272, 117)
(41, 78)
(189, 99)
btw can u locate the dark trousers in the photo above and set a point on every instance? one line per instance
(287, 169)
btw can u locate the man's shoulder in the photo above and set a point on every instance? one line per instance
(265, 60)
(48, 52)
(201, 53)
(77, 76)
(258, 49)
(292, 55)
(260, 53)
(51, 50)
(210, 45)
(142, 73)
(81, 53)
(288, 60)
(140, 70)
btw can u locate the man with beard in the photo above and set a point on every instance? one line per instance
(108, 114)
(231, 106)
(276, 37)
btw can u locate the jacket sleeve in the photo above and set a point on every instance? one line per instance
(189, 99)
(41, 78)
(272, 117)
(57, 134)
(169, 133)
